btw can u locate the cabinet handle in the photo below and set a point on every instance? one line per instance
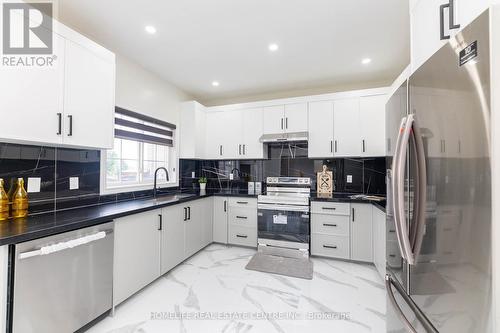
(331, 146)
(59, 123)
(244, 150)
(442, 36)
(242, 202)
(189, 213)
(328, 208)
(225, 206)
(70, 133)
(452, 16)
(329, 225)
(330, 246)
(242, 236)
(286, 122)
(363, 145)
(241, 217)
(185, 213)
(239, 149)
(160, 227)
(335, 145)
(282, 123)
(353, 215)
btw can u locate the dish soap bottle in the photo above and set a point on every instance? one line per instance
(4, 202)
(19, 200)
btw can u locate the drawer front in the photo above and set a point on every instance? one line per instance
(330, 224)
(243, 202)
(332, 208)
(245, 217)
(242, 236)
(330, 246)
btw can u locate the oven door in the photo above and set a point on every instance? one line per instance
(288, 223)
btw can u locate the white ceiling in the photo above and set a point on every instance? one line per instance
(321, 42)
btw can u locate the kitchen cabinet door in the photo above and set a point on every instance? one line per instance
(31, 99)
(361, 232)
(346, 128)
(296, 119)
(172, 237)
(224, 135)
(89, 98)
(192, 130)
(193, 228)
(379, 240)
(468, 10)
(252, 124)
(136, 253)
(372, 125)
(274, 119)
(321, 132)
(207, 211)
(220, 216)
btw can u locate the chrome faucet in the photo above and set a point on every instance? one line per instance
(156, 174)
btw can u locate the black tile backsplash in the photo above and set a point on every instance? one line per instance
(368, 174)
(55, 166)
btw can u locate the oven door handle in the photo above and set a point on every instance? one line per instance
(284, 208)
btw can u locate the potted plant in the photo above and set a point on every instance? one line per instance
(203, 183)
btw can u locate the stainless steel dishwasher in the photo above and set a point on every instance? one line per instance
(63, 282)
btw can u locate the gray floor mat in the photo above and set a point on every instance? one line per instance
(300, 268)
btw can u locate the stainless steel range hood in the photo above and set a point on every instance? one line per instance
(285, 137)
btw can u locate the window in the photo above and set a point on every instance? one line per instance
(141, 145)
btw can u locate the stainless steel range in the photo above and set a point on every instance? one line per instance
(283, 216)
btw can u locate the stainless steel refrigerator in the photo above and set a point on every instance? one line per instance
(439, 191)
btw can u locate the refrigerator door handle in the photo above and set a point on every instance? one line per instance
(389, 283)
(420, 195)
(398, 190)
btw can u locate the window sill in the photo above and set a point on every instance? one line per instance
(135, 187)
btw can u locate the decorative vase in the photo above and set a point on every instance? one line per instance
(203, 186)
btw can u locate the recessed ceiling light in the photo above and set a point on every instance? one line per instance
(215, 83)
(273, 47)
(150, 29)
(366, 61)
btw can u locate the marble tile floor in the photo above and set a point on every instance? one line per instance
(213, 292)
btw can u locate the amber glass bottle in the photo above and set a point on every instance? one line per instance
(4, 202)
(19, 200)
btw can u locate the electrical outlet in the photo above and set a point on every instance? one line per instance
(349, 179)
(193, 174)
(34, 184)
(74, 183)
(231, 176)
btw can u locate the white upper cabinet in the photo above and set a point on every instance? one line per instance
(296, 119)
(372, 125)
(274, 121)
(223, 135)
(70, 103)
(192, 130)
(285, 118)
(346, 128)
(31, 101)
(252, 131)
(428, 30)
(321, 132)
(89, 98)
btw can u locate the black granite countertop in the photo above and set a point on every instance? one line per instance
(42, 225)
(347, 197)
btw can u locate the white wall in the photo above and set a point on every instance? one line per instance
(141, 91)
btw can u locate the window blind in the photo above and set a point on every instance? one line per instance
(131, 125)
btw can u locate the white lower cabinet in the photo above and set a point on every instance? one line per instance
(136, 253)
(342, 230)
(220, 220)
(197, 225)
(172, 237)
(361, 232)
(379, 222)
